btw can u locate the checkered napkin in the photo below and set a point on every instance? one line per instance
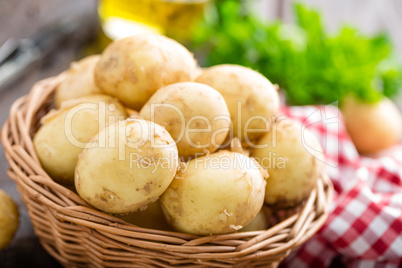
(364, 228)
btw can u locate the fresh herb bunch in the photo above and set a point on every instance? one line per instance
(311, 66)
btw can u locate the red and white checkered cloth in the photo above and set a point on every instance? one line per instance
(364, 227)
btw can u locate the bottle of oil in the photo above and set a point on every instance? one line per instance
(174, 18)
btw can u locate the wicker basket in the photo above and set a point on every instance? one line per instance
(80, 236)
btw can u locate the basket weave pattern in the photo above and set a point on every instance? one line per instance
(77, 235)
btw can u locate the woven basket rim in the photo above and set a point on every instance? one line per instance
(39, 191)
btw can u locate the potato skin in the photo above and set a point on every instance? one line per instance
(192, 101)
(151, 217)
(256, 94)
(64, 133)
(260, 222)
(293, 171)
(9, 219)
(94, 98)
(133, 68)
(79, 81)
(215, 194)
(133, 167)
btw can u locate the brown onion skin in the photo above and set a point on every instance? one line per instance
(373, 127)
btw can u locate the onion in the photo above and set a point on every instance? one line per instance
(372, 127)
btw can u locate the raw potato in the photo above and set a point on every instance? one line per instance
(9, 219)
(127, 166)
(294, 160)
(133, 68)
(65, 132)
(259, 100)
(260, 222)
(195, 115)
(215, 194)
(133, 114)
(95, 98)
(79, 81)
(372, 127)
(152, 218)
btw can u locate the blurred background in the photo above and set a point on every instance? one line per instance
(255, 33)
(316, 50)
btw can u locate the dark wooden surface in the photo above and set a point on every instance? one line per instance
(25, 250)
(22, 19)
